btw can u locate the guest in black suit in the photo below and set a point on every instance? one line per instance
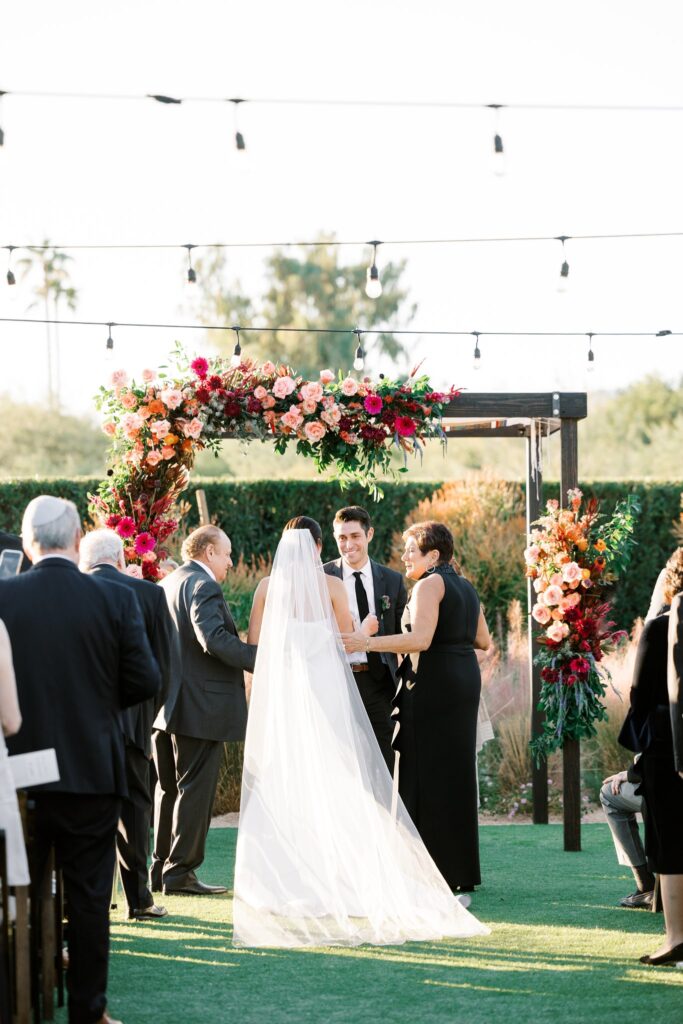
(206, 704)
(102, 556)
(370, 587)
(438, 715)
(80, 656)
(9, 541)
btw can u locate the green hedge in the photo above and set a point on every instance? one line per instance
(253, 513)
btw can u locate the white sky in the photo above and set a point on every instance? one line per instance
(86, 171)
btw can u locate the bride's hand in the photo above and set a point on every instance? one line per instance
(354, 642)
(369, 625)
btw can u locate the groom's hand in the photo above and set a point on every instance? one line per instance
(369, 625)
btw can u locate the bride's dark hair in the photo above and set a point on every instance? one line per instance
(306, 523)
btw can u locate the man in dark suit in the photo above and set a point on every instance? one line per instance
(80, 656)
(206, 703)
(370, 587)
(102, 556)
(10, 541)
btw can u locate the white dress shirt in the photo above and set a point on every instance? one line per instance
(359, 657)
(204, 566)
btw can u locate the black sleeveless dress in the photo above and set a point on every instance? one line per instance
(437, 738)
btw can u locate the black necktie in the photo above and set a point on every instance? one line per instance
(375, 664)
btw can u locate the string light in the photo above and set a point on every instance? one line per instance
(359, 358)
(236, 358)
(564, 269)
(109, 348)
(191, 273)
(498, 148)
(591, 353)
(239, 138)
(373, 285)
(11, 279)
(477, 353)
(2, 133)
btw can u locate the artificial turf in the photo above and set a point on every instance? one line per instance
(560, 950)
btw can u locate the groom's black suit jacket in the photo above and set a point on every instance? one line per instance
(388, 584)
(136, 721)
(206, 698)
(80, 656)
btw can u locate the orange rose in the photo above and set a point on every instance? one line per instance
(171, 439)
(186, 446)
(600, 545)
(156, 407)
(582, 544)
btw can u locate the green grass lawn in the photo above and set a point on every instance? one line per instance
(559, 950)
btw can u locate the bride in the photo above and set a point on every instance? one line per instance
(324, 855)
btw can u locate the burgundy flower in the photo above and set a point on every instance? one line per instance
(232, 409)
(202, 394)
(112, 521)
(200, 367)
(214, 383)
(253, 405)
(580, 666)
(126, 527)
(373, 404)
(144, 542)
(404, 426)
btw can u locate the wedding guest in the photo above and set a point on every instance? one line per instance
(10, 542)
(10, 720)
(370, 586)
(438, 714)
(80, 656)
(101, 555)
(653, 728)
(621, 803)
(206, 704)
(657, 599)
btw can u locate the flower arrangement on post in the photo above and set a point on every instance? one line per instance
(157, 426)
(574, 555)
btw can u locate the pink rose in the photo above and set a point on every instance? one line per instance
(557, 632)
(532, 554)
(148, 376)
(552, 505)
(167, 452)
(314, 431)
(131, 423)
(556, 579)
(129, 401)
(326, 376)
(283, 386)
(160, 428)
(541, 614)
(268, 402)
(349, 386)
(293, 418)
(193, 428)
(312, 392)
(308, 407)
(571, 572)
(118, 378)
(260, 392)
(268, 368)
(331, 416)
(135, 571)
(109, 428)
(570, 601)
(153, 458)
(171, 397)
(540, 585)
(553, 595)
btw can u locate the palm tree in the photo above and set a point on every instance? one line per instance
(53, 289)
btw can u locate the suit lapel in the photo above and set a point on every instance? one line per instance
(378, 587)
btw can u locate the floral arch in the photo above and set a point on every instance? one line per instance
(158, 425)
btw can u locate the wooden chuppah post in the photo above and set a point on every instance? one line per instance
(534, 503)
(571, 749)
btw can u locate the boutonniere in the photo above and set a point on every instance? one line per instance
(386, 602)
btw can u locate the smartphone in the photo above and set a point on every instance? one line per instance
(10, 562)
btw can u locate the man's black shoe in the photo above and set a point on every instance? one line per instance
(151, 913)
(638, 901)
(194, 888)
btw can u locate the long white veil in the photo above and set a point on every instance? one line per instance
(320, 859)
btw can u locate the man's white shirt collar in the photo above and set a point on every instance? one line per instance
(204, 566)
(366, 571)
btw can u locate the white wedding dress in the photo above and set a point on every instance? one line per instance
(320, 859)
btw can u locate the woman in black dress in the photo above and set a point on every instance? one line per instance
(438, 706)
(648, 731)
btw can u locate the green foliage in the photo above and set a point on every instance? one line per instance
(618, 533)
(310, 289)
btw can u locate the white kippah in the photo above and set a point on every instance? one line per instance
(44, 509)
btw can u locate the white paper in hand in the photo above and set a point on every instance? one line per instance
(34, 769)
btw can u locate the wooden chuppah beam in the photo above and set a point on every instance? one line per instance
(571, 750)
(534, 504)
(532, 404)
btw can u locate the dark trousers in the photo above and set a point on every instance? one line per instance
(377, 695)
(83, 830)
(165, 796)
(197, 764)
(132, 838)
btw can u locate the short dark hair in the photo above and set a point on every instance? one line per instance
(306, 523)
(353, 514)
(432, 536)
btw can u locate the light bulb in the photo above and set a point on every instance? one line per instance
(591, 355)
(358, 361)
(11, 279)
(373, 285)
(109, 349)
(235, 358)
(477, 357)
(499, 161)
(564, 277)
(239, 141)
(191, 275)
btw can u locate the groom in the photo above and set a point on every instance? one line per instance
(370, 587)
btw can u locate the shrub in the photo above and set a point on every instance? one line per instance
(240, 584)
(229, 785)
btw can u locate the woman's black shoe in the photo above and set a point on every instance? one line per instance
(674, 956)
